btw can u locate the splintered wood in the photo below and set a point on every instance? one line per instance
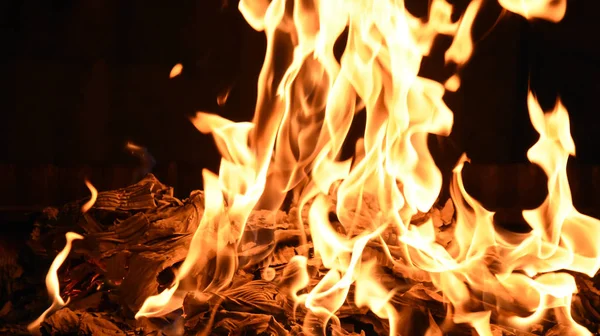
(136, 237)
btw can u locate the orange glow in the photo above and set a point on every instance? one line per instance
(222, 98)
(176, 70)
(133, 147)
(306, 103)
(52, 283)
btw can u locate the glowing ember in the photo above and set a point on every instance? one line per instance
(292, 147)
(176, 70)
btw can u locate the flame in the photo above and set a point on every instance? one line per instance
(201, 247)
(222, 98)
(307, 100)
(176, 70)
(52, 283)
(133, 147)
(89, 204)
(551, 10)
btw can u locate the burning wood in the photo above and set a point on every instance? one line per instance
(133, 254)
(288, 239)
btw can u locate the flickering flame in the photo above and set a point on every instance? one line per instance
(88, 205)
(222, 98)
(307, 100)
(133, 147)
(551, 10)
(52, 283)
(176, 70)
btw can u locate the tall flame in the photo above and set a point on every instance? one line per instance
(307, 100)
(52, 283)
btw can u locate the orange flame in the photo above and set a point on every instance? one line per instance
(176, 70)
(89, 204)
(222, 98)
(133, 147)
(52, 283)
(307, 100)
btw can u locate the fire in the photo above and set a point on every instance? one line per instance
(307, 100)
(176, 70)
(551, 10)
(88, 205)
(302, 117)
(222, 98)
(52, 283)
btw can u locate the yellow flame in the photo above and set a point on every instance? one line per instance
(551, 10)
(52, 283)
(89, 204)
(462, 46)
(307, 101)
(371, 294)
(176, 70)
(202, 246)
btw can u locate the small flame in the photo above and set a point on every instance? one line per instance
(222, 98)
(176, 70)
(52, 282)
(133, 147)
(147, 161)
(89, 204)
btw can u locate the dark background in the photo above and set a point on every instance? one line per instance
(81, 78)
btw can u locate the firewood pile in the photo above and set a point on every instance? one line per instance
(136, 237)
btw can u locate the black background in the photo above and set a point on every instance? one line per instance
(81, 78)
